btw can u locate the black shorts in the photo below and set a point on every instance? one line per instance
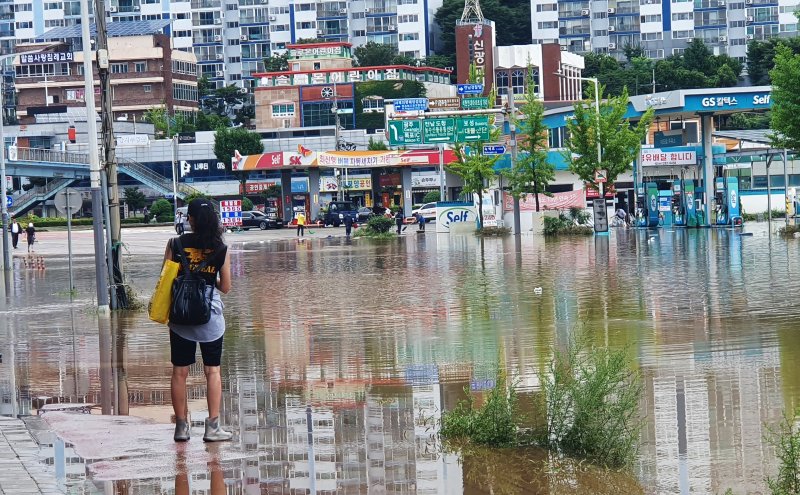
(182, 351)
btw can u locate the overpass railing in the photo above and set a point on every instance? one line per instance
(46, 156)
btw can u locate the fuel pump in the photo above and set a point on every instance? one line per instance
(726, 201)
(678, 204)
(641, 209)
(720, 205)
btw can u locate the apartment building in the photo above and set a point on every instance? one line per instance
(231, 38)
(661, 27)
(145, 73)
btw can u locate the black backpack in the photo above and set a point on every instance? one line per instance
(190, 303)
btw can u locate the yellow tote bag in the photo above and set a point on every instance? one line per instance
(161, 300)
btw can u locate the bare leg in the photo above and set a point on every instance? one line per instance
(214, 385)
(178, 387)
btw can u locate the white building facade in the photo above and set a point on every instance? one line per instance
(661, 27)
(231, 38)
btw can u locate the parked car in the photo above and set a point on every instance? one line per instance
(256, 219)
(364, 213)
(337, 210)
(428, 211)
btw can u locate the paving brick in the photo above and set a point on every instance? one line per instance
(20, 470)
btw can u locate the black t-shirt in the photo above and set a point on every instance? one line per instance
(195, 256)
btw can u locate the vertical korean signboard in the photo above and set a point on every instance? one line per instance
(231, 213)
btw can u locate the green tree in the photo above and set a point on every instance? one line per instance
(761, 57)
(161, 209)
(620, 141)
(531, 173)
(167, 125)
(277, 63)
(309, 41)
(247, 204)
(229, 140)
(431, 197)
(372, 54)
(192, 196)
(273, 192)
(135, 198)
(475, 169)
(210, 121)
(375, 145)
(785, 113)
(513, 22)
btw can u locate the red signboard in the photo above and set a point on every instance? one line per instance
(389, 180)
(255, 187)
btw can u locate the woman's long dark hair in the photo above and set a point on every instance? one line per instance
(207, 227)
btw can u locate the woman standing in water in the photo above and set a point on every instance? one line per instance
(203, 244)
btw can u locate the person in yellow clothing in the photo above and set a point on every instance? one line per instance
(301, 224)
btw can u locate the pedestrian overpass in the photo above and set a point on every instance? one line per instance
(67, 168)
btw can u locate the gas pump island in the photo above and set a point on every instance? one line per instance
(679, 178)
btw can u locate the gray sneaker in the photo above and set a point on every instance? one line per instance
(215, 433)
(182, 430)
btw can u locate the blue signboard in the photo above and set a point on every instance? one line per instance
(299, 184)
(9, 201)
(664, 140)
(411, 105)
(722, 102)
(494, 149)
(470, 89)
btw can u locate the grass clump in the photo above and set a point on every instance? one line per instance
(588, 408)
(576, 222)
(786, 441)
(495, 423)
(789, 231)
(377, 227)
(493, 232)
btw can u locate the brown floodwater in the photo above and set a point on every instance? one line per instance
(341, 355)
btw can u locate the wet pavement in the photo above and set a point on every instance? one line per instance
(341, 354)
(21, 471)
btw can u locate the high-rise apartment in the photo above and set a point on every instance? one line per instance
(231, 38)
(661, 27)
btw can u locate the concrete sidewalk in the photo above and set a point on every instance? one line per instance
(20, 470)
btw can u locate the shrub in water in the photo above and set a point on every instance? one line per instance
(589, 407)
(380, 224)
(786, 440)
(494, 423)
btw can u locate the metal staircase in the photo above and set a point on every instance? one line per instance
(152, 179)
(28, 200)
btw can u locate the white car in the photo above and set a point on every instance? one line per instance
(428, 211)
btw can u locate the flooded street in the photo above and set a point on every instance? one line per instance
(340, 355)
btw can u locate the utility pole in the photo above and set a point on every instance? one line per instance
(512, 128)
(118, 298)
(100, 269)
(4, 208)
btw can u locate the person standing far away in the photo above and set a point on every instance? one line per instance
(16, 230)
(301, 224)
(30, 231)
(398, 220)
(203, 244)
(179, 223)
(348, 225)
(421, 222)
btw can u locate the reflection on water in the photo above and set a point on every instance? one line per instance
(340, 356)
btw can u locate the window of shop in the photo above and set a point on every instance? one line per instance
(319, 114)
